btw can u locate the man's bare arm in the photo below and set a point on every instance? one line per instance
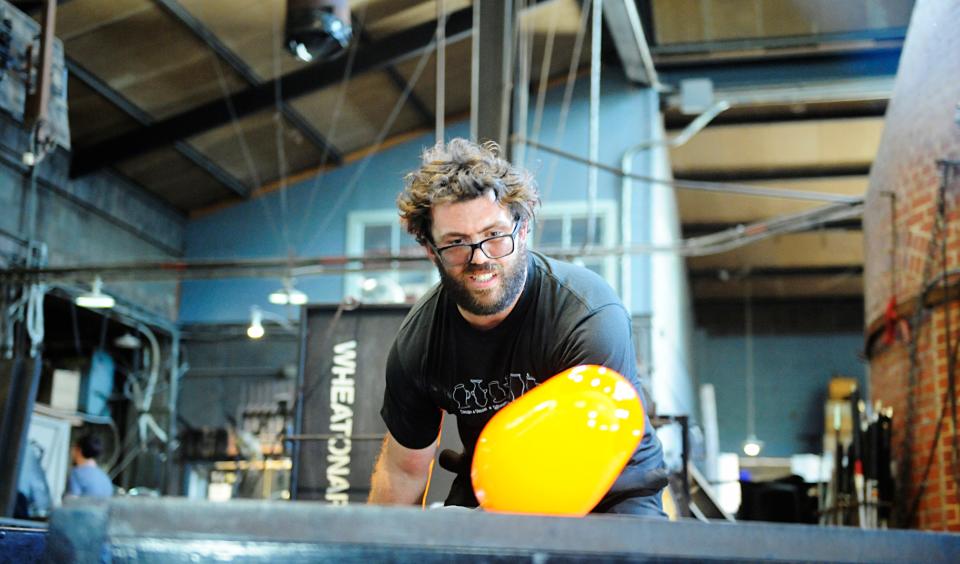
(400, 474)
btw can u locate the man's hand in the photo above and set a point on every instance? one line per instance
(400, 474)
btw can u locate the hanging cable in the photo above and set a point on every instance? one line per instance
(594, 133)
(331, 134)
(948, 170)
(567, 100)
(441, 104)
(279, 137)
(35, 293)
(372, 151)
(245, 152)
(545, 64)
(909, 510)
(700, 185)
(522, 39)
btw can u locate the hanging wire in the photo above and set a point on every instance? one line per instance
(280, 140)
(909, 511)
(441, 104)
(331, 134)
(594, 133)
(748, 345)
(524, 38)
(701, 185)
(372, 151)
(545, 64)
(567, 98)
(238, 132)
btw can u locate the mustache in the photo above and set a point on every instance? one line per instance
(486, 267)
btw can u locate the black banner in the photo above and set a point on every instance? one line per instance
(343, 356)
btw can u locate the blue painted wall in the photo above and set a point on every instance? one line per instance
(310, 218)
(791, 374)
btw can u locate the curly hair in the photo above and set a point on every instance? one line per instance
(459, 171)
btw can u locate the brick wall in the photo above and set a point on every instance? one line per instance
(920, 128)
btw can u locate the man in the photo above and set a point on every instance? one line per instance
(86, 478)
(501, 321)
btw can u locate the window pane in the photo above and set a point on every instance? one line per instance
(411, 249)
(551, 233)
(407, 240)
(578, 231)
(376, 239)
(382, 289)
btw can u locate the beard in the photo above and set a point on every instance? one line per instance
(494, 300)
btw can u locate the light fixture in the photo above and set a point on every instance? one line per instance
(257, 315)
(318, 30)
(288, 295)
(127, 341)
(383, 290)
(255, 331)
(95, 299)
(752, 446)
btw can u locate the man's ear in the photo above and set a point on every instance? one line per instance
(524, 230)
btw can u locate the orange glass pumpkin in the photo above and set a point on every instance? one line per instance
(557, 449)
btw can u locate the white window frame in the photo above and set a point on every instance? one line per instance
(605, 209)
(357, 222)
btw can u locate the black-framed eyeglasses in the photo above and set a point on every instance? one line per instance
(495, 247)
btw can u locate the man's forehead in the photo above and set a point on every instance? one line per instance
(461, 216)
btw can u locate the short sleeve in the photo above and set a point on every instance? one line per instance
(603, 338)
(410, 415)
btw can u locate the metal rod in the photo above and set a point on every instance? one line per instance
(328, 436)
(441, 112)
(310, 266)
(593, 179)
(699, 185)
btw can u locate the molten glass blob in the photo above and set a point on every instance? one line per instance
(557, 449)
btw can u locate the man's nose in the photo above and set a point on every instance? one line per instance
(478, 256)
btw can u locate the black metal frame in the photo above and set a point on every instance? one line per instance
(378, 56)
(202, 32)
(126, 106)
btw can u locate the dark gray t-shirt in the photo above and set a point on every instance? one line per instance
(566, 316)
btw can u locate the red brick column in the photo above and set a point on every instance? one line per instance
(920, 128)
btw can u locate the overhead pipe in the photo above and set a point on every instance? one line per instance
(722, 241)
(700, 185)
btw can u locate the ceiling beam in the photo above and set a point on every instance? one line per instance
(202, 32)
(389, 51)
(623, 22)
(186, 150)
(396, 78)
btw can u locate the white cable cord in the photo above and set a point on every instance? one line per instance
(34, 314)
(321, 230)
(567, 100)
(35, 295)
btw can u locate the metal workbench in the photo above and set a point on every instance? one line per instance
(180, 530)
